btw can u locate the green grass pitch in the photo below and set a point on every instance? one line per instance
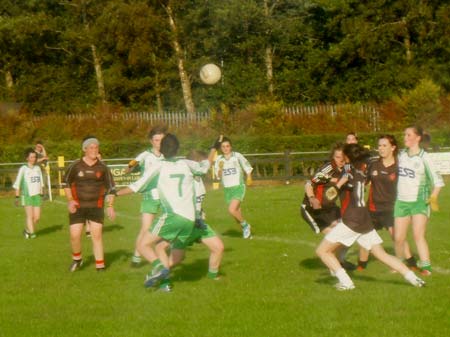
(272, 285)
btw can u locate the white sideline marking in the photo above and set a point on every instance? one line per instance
(441, 270)
(437, 269)
(288, 241)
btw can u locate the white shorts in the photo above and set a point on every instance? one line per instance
(343, 234)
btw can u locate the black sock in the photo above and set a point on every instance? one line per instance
(362, 263)
(411, 262)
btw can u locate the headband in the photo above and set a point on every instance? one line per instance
(88, 142)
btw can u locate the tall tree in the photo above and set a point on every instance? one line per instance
(83, 14)
(179, 54)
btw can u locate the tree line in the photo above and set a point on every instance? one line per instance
(72, 56)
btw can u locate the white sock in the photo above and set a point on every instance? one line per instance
(410, 277)
(343, 277)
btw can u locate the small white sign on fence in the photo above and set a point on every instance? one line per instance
(441, 161)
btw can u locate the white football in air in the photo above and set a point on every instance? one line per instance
(210, 74)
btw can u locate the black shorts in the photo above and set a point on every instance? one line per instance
(319, 219)
(382, 219)
(82, 214)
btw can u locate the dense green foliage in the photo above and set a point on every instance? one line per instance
(316, 51)
(71, 148)
(272, 286)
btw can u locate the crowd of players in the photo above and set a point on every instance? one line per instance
(403, 188)
(172, 193)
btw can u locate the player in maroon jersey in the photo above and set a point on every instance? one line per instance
(383, 176)
(87, 181)
(356, 225)
(319, 208)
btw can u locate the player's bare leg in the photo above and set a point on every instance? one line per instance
(36, 217)
(29, 219)
(146, 246)
(146, 222)
(326, 252)
(75, 237)
(161, 253)
(97, 244)
(341, 251)
(401, 231)
(216, 249)
(419, 225)
(75, 231)
(411, 261)
(234, 209)
(176, 256)
(160, 263)
(397, 265)
(362, 259)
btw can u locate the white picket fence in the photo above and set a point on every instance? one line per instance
(182, 119)
(169, 118)
(370, 113)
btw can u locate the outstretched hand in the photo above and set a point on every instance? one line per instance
(433, 201)
(111, 213)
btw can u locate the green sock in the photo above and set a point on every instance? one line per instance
(213, 273)
(156, 263)
(425, 265)
(244, 223)
(165, 282)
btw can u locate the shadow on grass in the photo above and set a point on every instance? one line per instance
(191, 272)
(233, 233)
(312, 263)
(112, 228)
(110, 258)
(49, 230)
(326, 279)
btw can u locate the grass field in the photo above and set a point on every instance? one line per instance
(272, 285)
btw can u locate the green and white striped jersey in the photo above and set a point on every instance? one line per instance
(29, 181)
(174, 181)
(417, 176)
(231, 170)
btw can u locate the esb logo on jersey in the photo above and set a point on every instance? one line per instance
(406, 172)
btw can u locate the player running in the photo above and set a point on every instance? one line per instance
(383, 176)
(418, 187)
(150, 201)
(29, 189)
(174, 179)
(201, 233)
(230, 167)
(319, 208)
(87, 180)
(356, 225)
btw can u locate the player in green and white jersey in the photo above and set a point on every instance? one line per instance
(419, 184)
(230, 168)
(29, 188)
(150, 202)
(201, 232)
(174, 180)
